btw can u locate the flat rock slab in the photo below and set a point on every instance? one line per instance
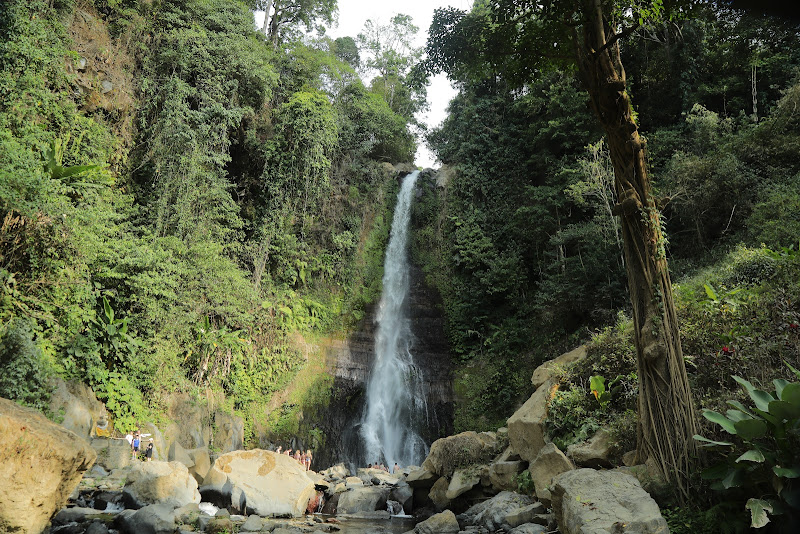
(586, 501)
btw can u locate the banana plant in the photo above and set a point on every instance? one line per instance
(766, 456)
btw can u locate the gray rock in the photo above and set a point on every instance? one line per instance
(438, 493)
(421, 478)
(160, 483)
(549, 463)
(593, 452)
(112, 453)
(97, 472)
(404, 494)
(464, 449)
(526, 430)
(549, 370)
(502, 475)
(492, 514)
(177, 453)
(529, 528)
(152, 519)
(526, 514)
(97, 527)
(253, 524)
(106, 86)
(586, 501)
(463, 480)
(442, 523)
(228, 432)
(364, 499)
(74, 515)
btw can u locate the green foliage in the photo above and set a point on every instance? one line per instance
(769, 434)
(525, 484)
(122, 398)
(24, 371)
(571, 418)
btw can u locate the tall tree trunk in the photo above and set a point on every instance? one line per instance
(667, 419)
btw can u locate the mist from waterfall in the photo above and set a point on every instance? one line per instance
(395, 401)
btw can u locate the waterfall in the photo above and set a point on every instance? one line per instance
(395, 401)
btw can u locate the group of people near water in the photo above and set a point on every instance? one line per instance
(303, 457)
(378, 465)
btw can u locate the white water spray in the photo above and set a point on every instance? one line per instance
(395, 401)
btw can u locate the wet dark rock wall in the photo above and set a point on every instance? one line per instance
(350, 362)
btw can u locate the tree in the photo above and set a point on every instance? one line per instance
(516, 40)
(280, 15)
(389, 52)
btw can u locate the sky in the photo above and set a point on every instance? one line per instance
(352, 16)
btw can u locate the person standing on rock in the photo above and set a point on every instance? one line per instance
(148, 453)
(396, 468)
(308, 460)
(135, 445)
(279, 449)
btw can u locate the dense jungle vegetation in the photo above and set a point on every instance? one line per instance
(185, 198)
(189, 202)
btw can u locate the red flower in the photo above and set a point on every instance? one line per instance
(793, 326)
(728, 350)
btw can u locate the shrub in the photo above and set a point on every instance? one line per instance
(24, 372)
(765, 460)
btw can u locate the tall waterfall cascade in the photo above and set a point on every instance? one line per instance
(396, 403)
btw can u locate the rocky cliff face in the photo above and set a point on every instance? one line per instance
(350, 362)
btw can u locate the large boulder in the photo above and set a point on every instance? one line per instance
(526, 427)
(594, 452)
(550, 369)
(404, 494)
(177, 453)
(167, 483)
(201, 463)
(441, 523)
(80, 408)
(503, 475)
(41, 463)
(262, 481)
(493, 514)
(152, 519)
(549, 463)
(438, 493)
(585, 500)
(364, 499)
(421, 478)
(468, 448)
(463, 480)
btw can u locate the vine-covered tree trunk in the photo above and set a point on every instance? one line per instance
(667, 420)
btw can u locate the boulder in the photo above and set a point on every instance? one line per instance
(493, 513)
(335, 472)
(441, 523)
(152, 519)
(167, 483)
(178, 454)
(41, 463)
(353, 482)
(526, 514)
(112, 453)
(364, 499)
(585, 500)
(265, 482)
(593, 452)
(253, 524)
(468, 448)
(404, 494)
(81, 409)
(438, 493)
(74, 515)
(421, 478)
(526, 427)
(201, 463)
(228, 432)
(549, 369)
(503, 475)
(549, 463)
(463, 480)
(220, 525)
